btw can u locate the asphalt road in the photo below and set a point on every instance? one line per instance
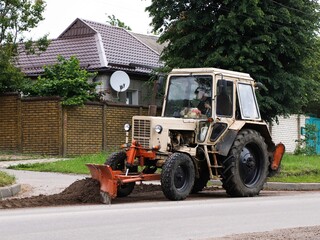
(189, 219)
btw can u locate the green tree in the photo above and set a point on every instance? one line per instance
(16, 18)
(67, 80)
(313, 73)
(270, 40)
(113, 21)
(11, 79)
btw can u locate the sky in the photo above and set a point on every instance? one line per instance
(59, 14)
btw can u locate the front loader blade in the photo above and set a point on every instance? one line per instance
(108, 182)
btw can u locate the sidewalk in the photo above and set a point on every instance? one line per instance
(35, 183)
(29, 183)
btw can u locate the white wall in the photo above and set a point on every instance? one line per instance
(288, 131)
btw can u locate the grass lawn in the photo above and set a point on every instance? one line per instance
(75, 165)
(294, 168)
(6, 179)
(299, 168)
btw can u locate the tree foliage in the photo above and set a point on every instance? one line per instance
(11, 79)
(113, 21)
(312, 72)
(16, 18)
(272, 41)
(67, 80)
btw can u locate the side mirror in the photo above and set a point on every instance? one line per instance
(160, 82)
(259, 85)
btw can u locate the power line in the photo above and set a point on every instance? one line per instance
(285, 6)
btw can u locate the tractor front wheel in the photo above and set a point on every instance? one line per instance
(177, 176)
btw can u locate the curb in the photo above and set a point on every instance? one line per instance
(9, 191)
(277, 186)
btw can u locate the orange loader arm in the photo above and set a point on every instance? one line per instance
(277, 156)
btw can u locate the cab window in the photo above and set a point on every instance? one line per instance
(247, 102)
(224, 98)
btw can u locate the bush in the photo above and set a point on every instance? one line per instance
(67, 80)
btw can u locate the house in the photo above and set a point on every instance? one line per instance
(103, 49)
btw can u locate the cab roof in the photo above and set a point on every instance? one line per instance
(224, 72)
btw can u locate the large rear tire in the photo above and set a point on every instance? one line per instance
(245, 170)
(116, 161)
(177, 176)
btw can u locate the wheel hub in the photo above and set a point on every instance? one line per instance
(250, 163)
(249, 166)
(180, 177)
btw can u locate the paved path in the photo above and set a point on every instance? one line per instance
(34, 183)
(5, 164)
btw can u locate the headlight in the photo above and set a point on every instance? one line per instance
(158, 128)
(127, 127)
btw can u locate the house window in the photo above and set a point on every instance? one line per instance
(132, 97)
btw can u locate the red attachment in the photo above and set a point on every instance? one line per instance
(110, 179)
(137, 151)
(277, 156)
(106, 176)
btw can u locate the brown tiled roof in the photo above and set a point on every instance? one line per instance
(97, 46)
(150, 40)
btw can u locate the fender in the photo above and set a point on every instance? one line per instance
(224, 145)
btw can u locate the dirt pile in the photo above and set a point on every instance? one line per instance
(85, 191)
(82, 191)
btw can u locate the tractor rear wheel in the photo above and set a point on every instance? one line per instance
(177, 176)
(116, 161)
(245, 170)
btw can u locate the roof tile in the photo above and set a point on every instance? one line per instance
(121, 47)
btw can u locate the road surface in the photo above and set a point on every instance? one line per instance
(189, 219)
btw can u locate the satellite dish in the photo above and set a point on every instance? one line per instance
(119, 81)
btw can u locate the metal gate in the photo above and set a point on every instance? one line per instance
(316, 122)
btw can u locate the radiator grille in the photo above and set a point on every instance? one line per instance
(141, 132)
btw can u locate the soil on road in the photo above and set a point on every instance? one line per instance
(84, 191)
(310, 233)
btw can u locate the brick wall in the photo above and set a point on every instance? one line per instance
(116, 117)
(41, 126)
(84, 129)
(287, 131)
(9, 122)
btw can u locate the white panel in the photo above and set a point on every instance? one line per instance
(287, 131)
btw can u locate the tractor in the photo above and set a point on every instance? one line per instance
(210, 128)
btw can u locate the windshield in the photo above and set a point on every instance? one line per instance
(189, 97)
